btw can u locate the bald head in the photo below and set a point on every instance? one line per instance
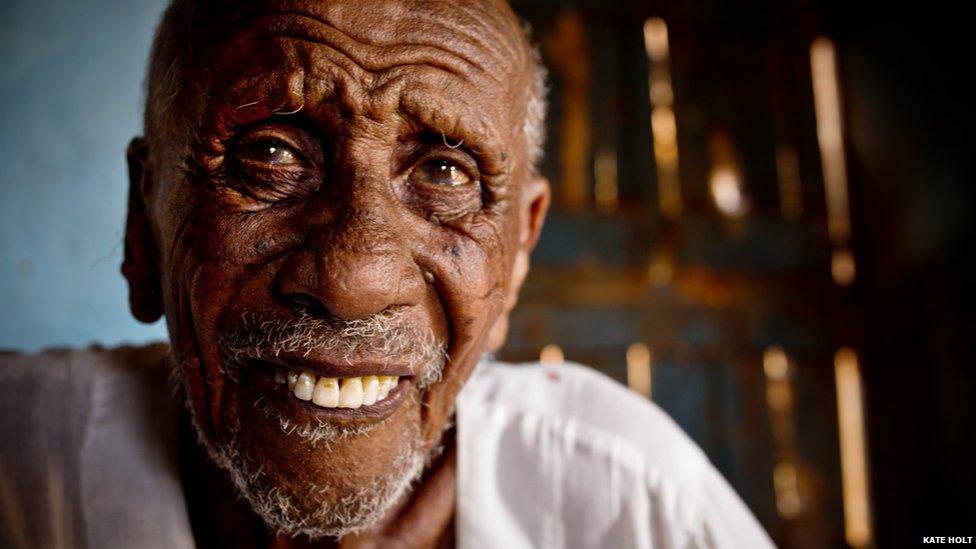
(188, 42)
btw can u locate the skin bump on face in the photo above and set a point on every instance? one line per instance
(333, 206)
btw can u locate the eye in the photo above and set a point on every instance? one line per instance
(272, 152)
(276, 162)
(443, 173)
(445, 185)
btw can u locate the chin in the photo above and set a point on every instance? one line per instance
(305, 475)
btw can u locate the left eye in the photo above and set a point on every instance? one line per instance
(443, 173)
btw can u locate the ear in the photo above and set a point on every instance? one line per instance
(141, 263)
(535, 203)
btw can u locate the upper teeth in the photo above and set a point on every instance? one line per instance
(333, 392)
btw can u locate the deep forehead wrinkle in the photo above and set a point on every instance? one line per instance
(446, 38)
(488, 23)
(369, 58)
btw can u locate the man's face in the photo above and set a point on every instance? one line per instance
(353, 203)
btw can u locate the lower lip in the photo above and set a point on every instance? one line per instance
(288, 405)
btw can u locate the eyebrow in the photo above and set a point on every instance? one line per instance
(462, 125)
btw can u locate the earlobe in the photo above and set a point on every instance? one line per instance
(140, 265)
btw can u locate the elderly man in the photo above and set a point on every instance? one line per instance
(333, 206)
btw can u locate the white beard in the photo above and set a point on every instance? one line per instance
(354, 513)
(385, 334)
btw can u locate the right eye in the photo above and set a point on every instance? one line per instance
(275, 163)
(271, 152)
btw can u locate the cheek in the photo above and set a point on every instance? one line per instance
(224, 258)
(472, 277)
(472, 269)
(217, 266)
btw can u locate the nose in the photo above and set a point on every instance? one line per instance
(353, 268)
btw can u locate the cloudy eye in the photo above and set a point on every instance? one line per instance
(443, 173)
(271, 152)
(275, 163)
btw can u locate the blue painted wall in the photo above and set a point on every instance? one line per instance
(70, 99)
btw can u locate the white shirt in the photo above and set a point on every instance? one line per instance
(563, 456)
(548, 456)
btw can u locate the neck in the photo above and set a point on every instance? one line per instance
(218, 517)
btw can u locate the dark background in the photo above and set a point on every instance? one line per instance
(734, 287)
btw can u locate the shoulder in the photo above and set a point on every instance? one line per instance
(591, 401)
(63, 380)
(51, 394)
(57, 362)
(58, 388)
(603, 463)
(88, 432)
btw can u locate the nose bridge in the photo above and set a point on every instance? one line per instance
(364, 210)
(361, 263)
(363, 225)
(360, 191)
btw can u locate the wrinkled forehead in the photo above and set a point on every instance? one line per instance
(462, 60)
(482, 33)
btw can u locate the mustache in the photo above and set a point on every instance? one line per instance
(387, 334)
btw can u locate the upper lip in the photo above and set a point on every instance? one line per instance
(333, 368)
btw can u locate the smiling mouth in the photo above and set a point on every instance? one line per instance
(334, 392)
(363, 398)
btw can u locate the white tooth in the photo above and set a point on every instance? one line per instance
(326, 392)
(280, 376)
(351, 393)
(371, 390)
(386, 383)
(305, 385)
(292, 379)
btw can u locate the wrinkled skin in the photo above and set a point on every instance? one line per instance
(312, 161)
